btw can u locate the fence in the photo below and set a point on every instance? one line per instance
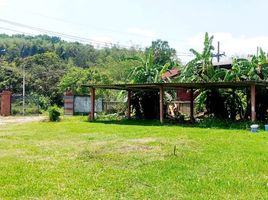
(81, 105)
(114, 106)
(29, 107)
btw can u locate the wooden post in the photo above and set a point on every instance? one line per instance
(192, 105)
(68, 103)
(253, 103)
(128, 104)
(161, 104)
(92, 97)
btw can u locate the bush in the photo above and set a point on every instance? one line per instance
(54, 113)
(213, 122)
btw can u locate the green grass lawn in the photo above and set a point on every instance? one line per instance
(75, 159)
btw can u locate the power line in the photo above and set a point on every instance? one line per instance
(64, 35)
(16, 31)
(73, 37)
(85, 24)
(50, 32)
(179, 54)
(100, 28)
(184, 54)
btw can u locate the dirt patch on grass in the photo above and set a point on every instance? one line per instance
(12, 153)
(143, 140)
(134, 147)
(19, 120)
(147, 149)
(139, 145)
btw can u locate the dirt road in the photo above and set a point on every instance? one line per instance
(18, 120)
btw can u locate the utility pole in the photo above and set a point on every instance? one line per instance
(257, 51)
(218, 55)
(23, 91)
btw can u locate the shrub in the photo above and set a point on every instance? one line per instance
(213, 122)
(54, 113)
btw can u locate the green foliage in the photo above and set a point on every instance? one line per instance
(52, 65)
(75, 78)
(157, 60)
(201, 69)
(10, 77)
(30, 109)
(115, 63)
(43, 73)
(147, 71)
(213, 122)
(162, 53)
(225, 103)
(144, 103)
(43, 101)
(109, 117)
(54, 113)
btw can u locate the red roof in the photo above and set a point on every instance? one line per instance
(171, 73)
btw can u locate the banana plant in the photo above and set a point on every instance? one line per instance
(201, 69)
(148, 71)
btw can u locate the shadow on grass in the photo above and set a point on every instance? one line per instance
(205, 123)
(130, 122)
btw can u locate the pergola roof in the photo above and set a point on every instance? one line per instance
(162, 86)
(189, 85)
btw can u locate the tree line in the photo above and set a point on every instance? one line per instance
(52, 65)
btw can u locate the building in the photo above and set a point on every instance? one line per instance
(183, 95)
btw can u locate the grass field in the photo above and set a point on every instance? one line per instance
(75, 159)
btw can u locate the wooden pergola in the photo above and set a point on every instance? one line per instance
(161, 87)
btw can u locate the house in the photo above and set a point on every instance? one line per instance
(183, 96)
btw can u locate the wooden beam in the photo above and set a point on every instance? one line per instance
(192, 105)
(253, 102)
(161, 105)
(92, 110)
(128, 104)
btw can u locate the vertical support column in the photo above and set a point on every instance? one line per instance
(253, 102)
(68, 100)
(6, 103)
(92, 98)
(192, 105)
(128, 104)
(161, 104)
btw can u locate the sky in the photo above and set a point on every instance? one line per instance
(239, 25)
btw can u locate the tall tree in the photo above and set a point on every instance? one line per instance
(162, 52)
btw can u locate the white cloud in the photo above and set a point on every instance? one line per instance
(232, 45)
(3, 3)
(142, 32)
